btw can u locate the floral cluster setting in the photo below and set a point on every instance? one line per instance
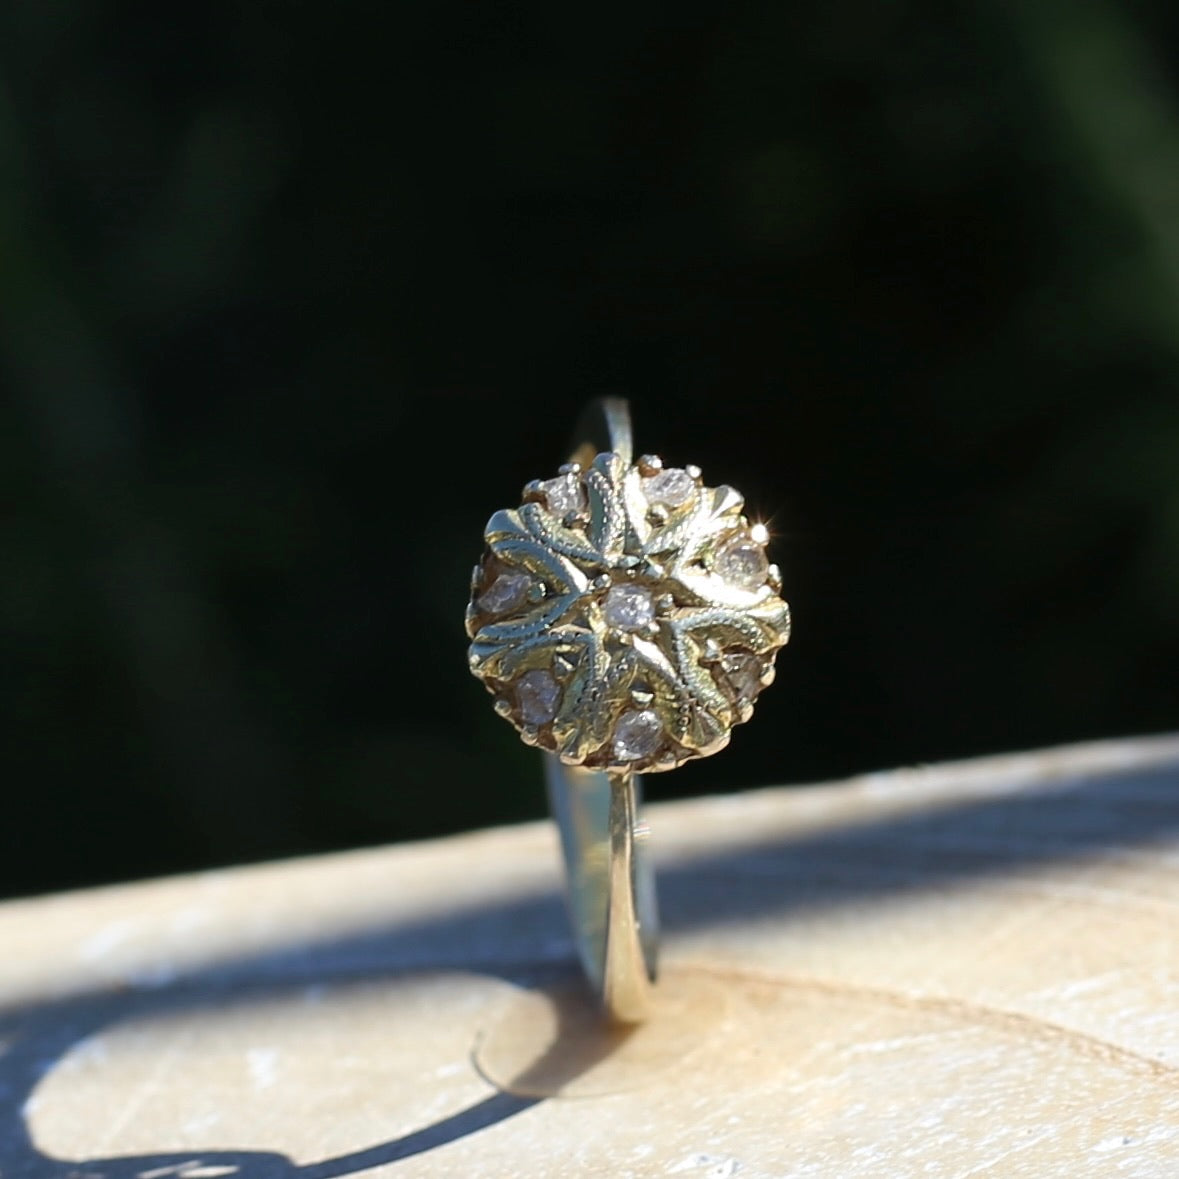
(626, 617)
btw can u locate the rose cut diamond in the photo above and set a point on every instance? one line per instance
(563, 494)
(673, 487)
(629, 607)
(505, 593)
(743, 563)
(539, 696)
(744, 674)
(637, 735)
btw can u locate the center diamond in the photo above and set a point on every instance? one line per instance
(629, 607)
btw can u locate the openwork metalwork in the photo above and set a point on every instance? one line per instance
(625, 617)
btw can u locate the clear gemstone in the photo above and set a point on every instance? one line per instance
(743, 563)
(564, 494)
(744, 674)
(629, 607)
(637, 735)
(538, 695)
(672, 487)
(505, 593)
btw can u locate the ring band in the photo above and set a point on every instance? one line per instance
(625, 617)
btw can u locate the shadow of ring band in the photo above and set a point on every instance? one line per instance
(625, 618)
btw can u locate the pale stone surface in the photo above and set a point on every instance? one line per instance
(743, 563)
(963, 970)
(744, 674)
(564, 494)
(673, 487)
(637, 735)
(628, 607)
(539, 696)
(505, 593)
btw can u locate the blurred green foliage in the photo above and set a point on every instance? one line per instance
(906, 273)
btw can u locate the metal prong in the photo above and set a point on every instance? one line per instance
(726, 499)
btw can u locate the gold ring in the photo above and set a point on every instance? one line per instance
(625, 617)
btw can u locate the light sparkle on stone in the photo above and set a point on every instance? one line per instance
(505, 593)
(673, 487)
(629, 607)
(539, 696)
(743, 563)
(564, 494)
(637, 735)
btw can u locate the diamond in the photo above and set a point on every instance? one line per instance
(743, 563)
(744, 674)
(564, 494)
(538, 695)
(629, 607)
(637, 735)
(505, 593)
(672, 487)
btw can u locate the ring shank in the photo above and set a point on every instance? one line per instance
(604, 426)
(611, 886)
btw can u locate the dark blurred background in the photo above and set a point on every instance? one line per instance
(293, 296)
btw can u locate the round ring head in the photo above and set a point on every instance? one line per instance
(626, 617)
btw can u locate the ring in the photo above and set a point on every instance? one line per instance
(625, 618)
